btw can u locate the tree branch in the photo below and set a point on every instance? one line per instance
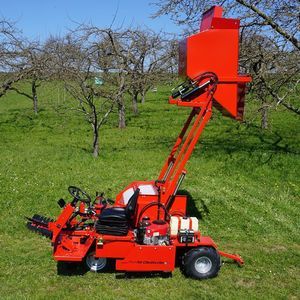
(270, 22)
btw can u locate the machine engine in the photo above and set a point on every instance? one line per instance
(153, 233)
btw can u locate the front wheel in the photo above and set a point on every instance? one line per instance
(201, 263)
(95, 264)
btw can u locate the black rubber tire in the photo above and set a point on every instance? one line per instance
(201, 263)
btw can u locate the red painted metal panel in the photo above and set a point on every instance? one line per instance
(182, 57)
(114, 249)
(56, 227)
(221, 23)
(148, 258)
(209, 15)
(179, 205)
(72, 248)
(214, 51)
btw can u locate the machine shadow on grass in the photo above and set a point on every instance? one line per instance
(78, 269)
(270, 142)
(143, 275)
(192, 210)
(70, 269)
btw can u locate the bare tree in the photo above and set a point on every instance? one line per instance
(20, 60)
(9, 49)
(114, 51)
(274, 72)
(150, 61)
(270, 43)
(114, 46)
(111, 54)
(281, 15)
(77, 65)
(33, 68)
(132, 60)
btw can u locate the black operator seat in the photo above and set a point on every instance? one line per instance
(115, 220)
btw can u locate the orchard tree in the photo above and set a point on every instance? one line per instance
(75, 63)
(150, 62)
(21, 60)
(33, 67)
(111, 52)
(9, 56)
(132, 60)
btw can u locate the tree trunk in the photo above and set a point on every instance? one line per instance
(135, 103)
(121, 110)
(143, 93)
(95, 141)
(34, 96)
(264, 115)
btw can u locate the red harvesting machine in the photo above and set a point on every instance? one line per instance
(146, 229)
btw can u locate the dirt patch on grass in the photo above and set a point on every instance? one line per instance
(272, 248)
(247, 283)
(277, 248)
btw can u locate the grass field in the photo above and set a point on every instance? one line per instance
(245, 184)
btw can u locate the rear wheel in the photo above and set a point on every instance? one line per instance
(95, 264)
(201, 263)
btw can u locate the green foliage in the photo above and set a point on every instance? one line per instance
(244, 183)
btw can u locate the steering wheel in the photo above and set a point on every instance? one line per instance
(79, 194)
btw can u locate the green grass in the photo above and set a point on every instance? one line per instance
(243, 182)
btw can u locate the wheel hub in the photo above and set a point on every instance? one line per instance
(203, 265)
(95, 264)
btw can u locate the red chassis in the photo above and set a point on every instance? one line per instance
(147, 229)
